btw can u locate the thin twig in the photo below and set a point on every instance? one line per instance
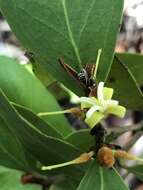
(133, 140)
(120, 130)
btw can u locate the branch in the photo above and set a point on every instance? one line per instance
(120, 130)
(133, 140)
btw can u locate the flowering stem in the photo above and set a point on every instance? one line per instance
(54, 113)
(138, 159)
(58, 165)
(85, 157)
(97, 63)
(75, 110)
(125, 155)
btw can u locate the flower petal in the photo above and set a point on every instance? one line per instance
(92, 110)
(111, 102)
(87, 102)
(100, 96)
(94, 119)
(108, 93)
(119, 111)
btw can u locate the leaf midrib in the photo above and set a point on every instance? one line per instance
(86, 20)
(102, 178)
(75, 48)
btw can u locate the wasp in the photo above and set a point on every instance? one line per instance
(84, 77)
(87, 75)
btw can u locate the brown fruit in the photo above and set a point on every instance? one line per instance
(105, 157)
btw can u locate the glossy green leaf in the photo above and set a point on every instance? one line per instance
(23, 88)
(126, 89)
(11, 180)
(48, 150)
(11, 151)
(137, 170)
(134, 62)
(52, 85)
(81, 139)
(42, 74)
(37, 121)
(99, 178)
(64, 185)
(72, 29)
(60, 93)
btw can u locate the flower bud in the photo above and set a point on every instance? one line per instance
(125, 155)
(105, 157)
(78, 112)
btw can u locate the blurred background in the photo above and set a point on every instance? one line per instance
(130, 39)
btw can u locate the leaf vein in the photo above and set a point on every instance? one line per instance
(71, 34)
(102, 178)
(107, 32)
(47, 25)
(86, 19)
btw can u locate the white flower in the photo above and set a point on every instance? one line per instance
(100, 107)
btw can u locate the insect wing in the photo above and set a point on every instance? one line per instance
(69, 69)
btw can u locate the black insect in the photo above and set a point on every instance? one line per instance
(85, 76)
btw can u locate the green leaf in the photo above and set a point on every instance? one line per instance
(81, 139)
(52, 85)
(64, 185)
(11, 151)
(99, 178)
(72, 29)
(137, 170)
(23, 88)
(48, 150)
(42, 74)
(134, 62)
(59, 91)
(126, 89)
(11, 180)
(37, 121)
